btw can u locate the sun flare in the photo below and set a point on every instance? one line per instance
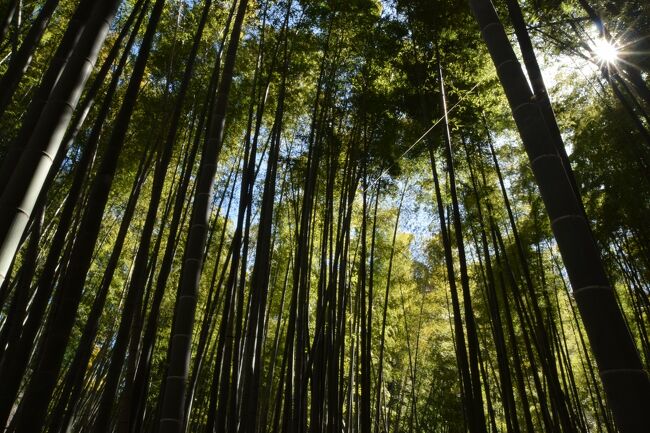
(605, 51)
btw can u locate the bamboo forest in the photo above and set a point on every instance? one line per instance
(336, 216)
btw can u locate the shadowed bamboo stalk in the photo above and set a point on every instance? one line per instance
(173, 403)
(626, 383)
(23, 189)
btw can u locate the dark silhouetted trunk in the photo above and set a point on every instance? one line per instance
(22, 190)
(173, 404)
(22, 58)
(626, 383)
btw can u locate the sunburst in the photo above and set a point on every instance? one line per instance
(606, 51)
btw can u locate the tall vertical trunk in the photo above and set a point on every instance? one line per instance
(14, 319)
(294, 380)
(15, 364)
(478, 417)
(364, 413)
(626, 384)
(143, 372)
(509, 405)
(516, 356)
(20, 195)
(539, 87)
(537, 321)
(62, 318)
(230, 330)
(459, 334)
(214, 300)
(63, 52)
(261, 273)
(382, 341)
(178, 217)
(22, 58)
(63, 413)
(136, 286)
(173, 403)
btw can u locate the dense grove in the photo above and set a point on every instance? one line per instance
(368, 216)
